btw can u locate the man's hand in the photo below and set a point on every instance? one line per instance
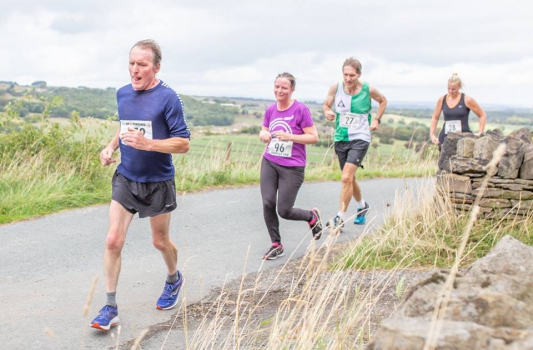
(374, 125)
(106, 156)
(134, 138)
(330, 115)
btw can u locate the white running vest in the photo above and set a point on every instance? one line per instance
(353, 117)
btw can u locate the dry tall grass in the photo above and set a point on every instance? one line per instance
(324, 307)
(336, 301)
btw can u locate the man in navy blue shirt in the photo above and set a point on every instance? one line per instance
(152, 128)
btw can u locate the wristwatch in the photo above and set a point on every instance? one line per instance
(379, 120)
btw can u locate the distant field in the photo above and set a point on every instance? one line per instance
(92, 126)
(245, 148)
(473, 121)
(250, 119)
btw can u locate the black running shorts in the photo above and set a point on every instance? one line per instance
(148, 199)
(351, 152)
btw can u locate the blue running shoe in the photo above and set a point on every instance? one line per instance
(107, 318)
(169, 298)
(360, 219)
(337, 222)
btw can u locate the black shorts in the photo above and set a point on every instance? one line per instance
(351, 152)
(147, 199)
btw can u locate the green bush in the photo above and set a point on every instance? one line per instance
(46, 167)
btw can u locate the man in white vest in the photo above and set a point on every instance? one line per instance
(348, 104)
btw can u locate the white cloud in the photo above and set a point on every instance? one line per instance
(408, 48)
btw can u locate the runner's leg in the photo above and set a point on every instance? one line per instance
(347, 185)
(119, 221)
(357, 195)
(269, 179)
(290, 181)
(160, 225)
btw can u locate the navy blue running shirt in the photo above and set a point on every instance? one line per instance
(158, 113)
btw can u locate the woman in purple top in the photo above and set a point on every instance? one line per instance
(287, 128)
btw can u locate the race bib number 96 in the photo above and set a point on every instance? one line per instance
(280, 148)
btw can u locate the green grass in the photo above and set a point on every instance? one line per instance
(30, 187)
(229, 160)
(425, 232)
(334, 301)
(52, 168)
(53, 165)
(473, 122)
(66, 173)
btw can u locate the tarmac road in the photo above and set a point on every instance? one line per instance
(47, 265)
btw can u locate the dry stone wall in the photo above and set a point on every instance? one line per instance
(490, 306)
(462, 167)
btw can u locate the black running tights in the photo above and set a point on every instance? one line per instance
(281, 182)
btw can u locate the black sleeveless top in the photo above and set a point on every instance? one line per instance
(458, 113)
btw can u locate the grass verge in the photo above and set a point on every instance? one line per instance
(49, 167)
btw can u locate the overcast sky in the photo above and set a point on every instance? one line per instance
(408, 48)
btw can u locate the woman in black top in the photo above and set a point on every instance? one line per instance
(456, 107)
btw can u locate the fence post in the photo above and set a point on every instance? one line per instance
(228, 152)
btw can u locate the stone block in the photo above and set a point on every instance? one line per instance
(509, 165)
(489, 307)
(465, 147)
(526, 204)
(524, 181)
(453, 183)
(460, 165)
(512, 187)
(526, 169)
(449, 148)
(495, 203)
(519, 195)
(498, 180)
(523, 134)
(461, 201)
(477, 184)
(485, 146)
(490, 192)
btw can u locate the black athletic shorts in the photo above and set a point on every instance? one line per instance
(147, 199)
(351, 152)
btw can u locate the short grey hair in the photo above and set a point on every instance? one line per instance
(152, 45)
